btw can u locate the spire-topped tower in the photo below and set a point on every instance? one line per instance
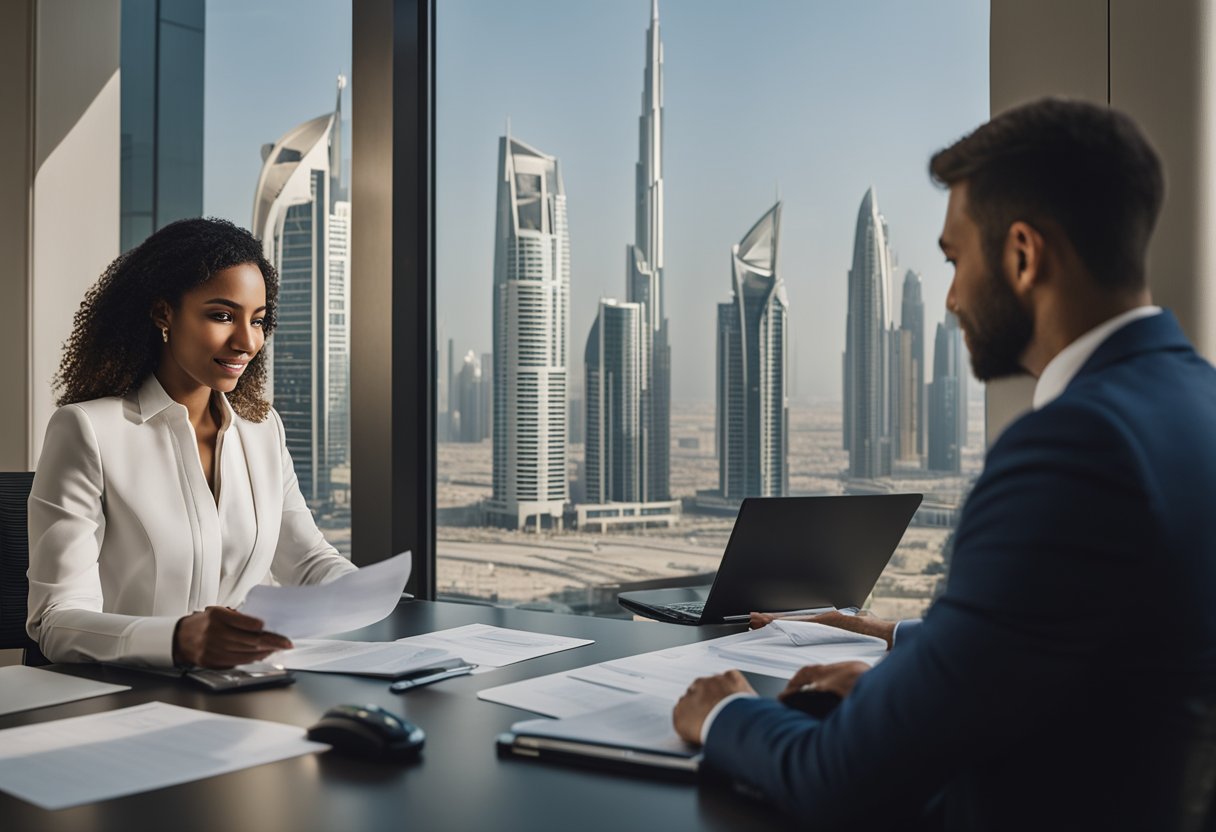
(644, 275)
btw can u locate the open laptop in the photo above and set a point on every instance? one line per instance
(790, 554)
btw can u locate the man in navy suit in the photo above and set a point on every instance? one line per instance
(1067, 676)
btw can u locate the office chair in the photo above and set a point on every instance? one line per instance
(14, 560)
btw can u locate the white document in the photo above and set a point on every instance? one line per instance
(641, 723)
(489, 647)
(558, 695)
(355, 600)
(774, 650)
(69, 762)
(22, 688)
(364, 658)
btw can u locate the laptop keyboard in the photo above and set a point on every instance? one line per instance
(693, 608)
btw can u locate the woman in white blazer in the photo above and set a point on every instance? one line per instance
(165, 491)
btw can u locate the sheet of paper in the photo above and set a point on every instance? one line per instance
(371, 658)
(355, 600)
(643, 722)
(556, 695)
(489, 647)
(666, 674)
(22, 688)
(69, 762)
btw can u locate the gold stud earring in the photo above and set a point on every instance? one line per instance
(164, 333)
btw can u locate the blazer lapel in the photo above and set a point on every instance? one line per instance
(1158, 332)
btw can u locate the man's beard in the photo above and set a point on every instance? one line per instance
(998, 329)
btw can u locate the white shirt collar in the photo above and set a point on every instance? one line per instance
(1061, 369)
(153, 399)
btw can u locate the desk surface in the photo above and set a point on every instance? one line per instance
(459, 784)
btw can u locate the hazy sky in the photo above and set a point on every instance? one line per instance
(817, 98)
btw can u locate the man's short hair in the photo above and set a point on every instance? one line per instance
(1085, 169)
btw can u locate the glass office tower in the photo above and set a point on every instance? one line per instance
(613, 370)
(867, 360)
(948, 398)
(531, 314)
(753, 408)
(161, 168)
(303, 219)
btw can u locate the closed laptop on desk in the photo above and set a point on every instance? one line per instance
(790, 553)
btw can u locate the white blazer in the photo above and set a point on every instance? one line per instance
(122, 544)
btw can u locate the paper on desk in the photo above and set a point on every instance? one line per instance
(641, 723)
(355, 600)
(22, 688)
(84, 759)
(666, 674)
(557, 695)
(366, 658)
(489, 647)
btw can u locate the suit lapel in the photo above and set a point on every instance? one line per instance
(1158, 332)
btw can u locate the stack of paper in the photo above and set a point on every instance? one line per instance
(382, 659)
(479, 644)
(84, 759)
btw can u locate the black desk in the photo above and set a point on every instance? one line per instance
(459, 784)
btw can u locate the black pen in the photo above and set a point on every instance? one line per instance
(435, 676)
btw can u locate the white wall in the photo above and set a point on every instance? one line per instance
(75, 189)
(1147, 58)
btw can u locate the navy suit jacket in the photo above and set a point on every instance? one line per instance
(1066, 675)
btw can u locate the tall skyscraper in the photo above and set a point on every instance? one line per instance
(301, 215)
(468, 391)
(753, 409)
(531, 314)
(910, 367)
(904, 399)
(161, 115)
(948, 399)
(867, 360)
(644, 277)
(613, 362)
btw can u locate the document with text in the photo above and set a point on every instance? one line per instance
(69, 762)
(386, 659)
(490, 647)
(777, 650)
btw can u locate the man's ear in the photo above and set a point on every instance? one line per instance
(1024, 258)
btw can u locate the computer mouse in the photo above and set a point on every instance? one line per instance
(368, 731)
(817, 703)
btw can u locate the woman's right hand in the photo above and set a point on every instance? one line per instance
(221, 637)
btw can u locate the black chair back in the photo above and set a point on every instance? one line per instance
(14, 560)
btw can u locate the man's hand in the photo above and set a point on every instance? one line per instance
(219, 637)
(699, 700)
(837, 678)
(862, 622)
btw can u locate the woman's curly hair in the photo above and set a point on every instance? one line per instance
(115, 345)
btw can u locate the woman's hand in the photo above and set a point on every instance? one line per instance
(221, 637)
(861, 622)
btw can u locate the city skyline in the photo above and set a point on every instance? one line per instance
(743, 113)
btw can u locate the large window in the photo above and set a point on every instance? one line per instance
(242, 110)
(686, 254)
